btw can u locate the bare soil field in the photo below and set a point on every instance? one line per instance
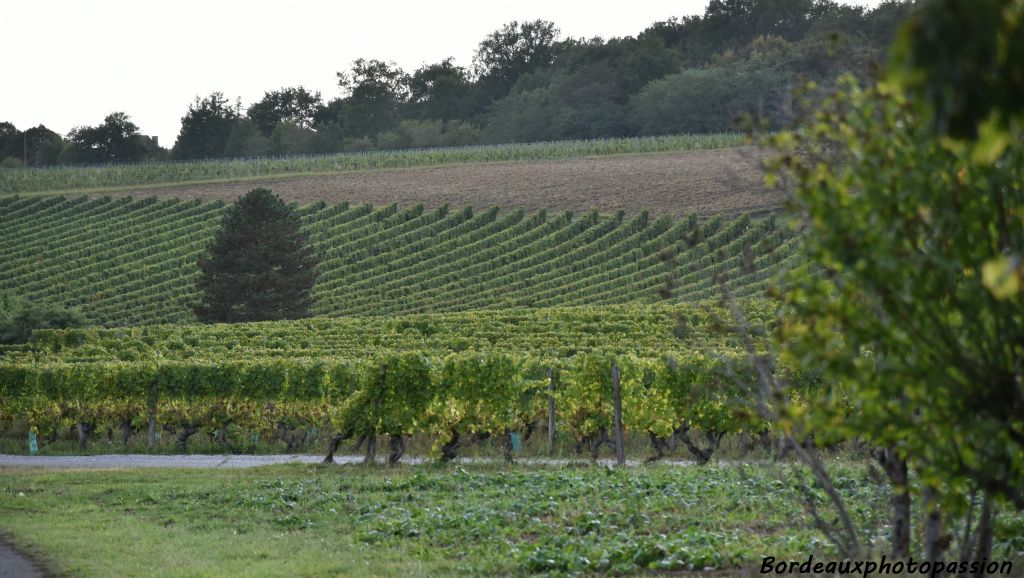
(702, 182)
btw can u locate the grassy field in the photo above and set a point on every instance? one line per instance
(418, 521)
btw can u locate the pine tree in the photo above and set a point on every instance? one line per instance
(258, 267)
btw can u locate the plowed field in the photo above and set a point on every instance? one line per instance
(702, 182)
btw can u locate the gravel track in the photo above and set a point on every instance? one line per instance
(14, 565)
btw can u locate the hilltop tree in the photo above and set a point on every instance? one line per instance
(296, 106)
(259, 267)
(515, 50)
(206, 127)
(43, 145)
(376, 90)
(10, 142)
(116, 140)
(440, 91)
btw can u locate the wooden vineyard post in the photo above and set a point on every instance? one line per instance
(151, 442)
(551, 412)
(620, 452)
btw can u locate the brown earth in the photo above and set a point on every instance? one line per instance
(702, 182)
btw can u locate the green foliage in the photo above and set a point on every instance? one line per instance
(557, 332)
(375, 91)
(19, 318)
(130, 262)
(10, 143)
(258, 267)
(387, 393)
(919, 320)
(440, 91)
(246, 140)
(475, 373)
(528, 85)
(392, 398)
(484, 393)
(206, 127)
(43, 146)
(516, 49)
(294, 105)
(703, 100)
(116, 140)
(417, 522)
(964, 61)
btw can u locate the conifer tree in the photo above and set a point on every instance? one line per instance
(259, 267)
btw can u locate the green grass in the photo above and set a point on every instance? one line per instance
(415, 521)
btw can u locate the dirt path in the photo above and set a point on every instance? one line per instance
(14, 565)
(136, 461)
(702, 182)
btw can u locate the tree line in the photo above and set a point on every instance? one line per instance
(526, 83)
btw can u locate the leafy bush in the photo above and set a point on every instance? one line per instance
(19, 318)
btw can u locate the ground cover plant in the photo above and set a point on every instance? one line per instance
(420, 520)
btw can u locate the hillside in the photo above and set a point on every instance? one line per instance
(133, 261)
(681, 174)
(702, 182)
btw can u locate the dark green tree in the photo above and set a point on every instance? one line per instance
(517, 49)
(116, 140)
(259, 267)
(376, 90)
(20, 317)
(441, 91)
(206, 127)
(43, 145)
(296, 106)
(964, 61)
(11, 142)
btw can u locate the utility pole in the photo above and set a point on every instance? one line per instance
(24, 150)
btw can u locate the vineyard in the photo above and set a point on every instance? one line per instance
(448, 377)
(88, 177)
(133, 261)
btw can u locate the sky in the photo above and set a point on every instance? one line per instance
(79, 60)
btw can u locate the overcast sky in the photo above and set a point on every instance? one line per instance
(72, 62)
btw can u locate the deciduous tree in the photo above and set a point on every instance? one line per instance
(205, 128)
(292, 105)
(117, 139)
